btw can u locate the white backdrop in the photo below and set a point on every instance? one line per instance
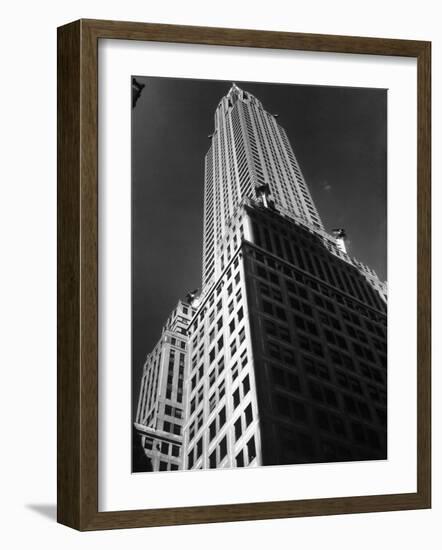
(28, 300)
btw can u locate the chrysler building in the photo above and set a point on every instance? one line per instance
(282, 357)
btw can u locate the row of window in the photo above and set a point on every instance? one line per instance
(244, 456)
(165, 448)
(307, 342)
(287, 378)
(268, 268)
(178, 342)
(298, 446)
(327, 422)
(172, 428)
(296, 250)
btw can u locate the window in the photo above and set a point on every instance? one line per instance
(233, 348)
(298, 410)
(190, 459)
(270, 328)
(238, 429)
(236, 398)
(278, 376)
(212, 377)
(338, 425)
(246, 385)
(212, 402)
(212, 429)
(350, 404)
(292, 382)
(322, 419)
(274, 350)
(251, 449)
(220, 365)
(261, 272)
(199, 447)
(283, 405)
(249, 414)
(280, 313)
(223, 448)
(317, 348)
(234, 372)
(264, 289)
(222, 417)
(330, 397)
(240, 459)
(212, 460)
(284, 334)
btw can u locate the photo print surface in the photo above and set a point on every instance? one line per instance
(259, 294)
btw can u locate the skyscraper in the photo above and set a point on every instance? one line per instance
(250, 152)
(160, 414)
(285, 358)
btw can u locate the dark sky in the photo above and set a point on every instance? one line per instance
(339, 137)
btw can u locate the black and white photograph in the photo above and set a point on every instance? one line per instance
(259, 274)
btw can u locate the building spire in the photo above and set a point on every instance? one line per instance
(234, 90)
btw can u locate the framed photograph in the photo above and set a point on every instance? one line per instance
(243, 275)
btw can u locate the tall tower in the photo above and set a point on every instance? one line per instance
(249, 154)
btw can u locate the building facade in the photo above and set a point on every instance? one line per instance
(160, 414)
(285, 348)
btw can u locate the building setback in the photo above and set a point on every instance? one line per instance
(285, 348)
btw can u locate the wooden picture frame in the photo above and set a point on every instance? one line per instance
(77, 459)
